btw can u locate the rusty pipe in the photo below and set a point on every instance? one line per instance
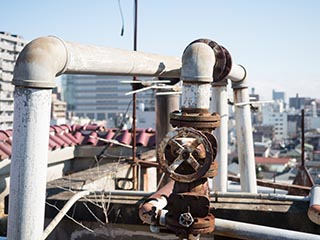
(38, 64)
(152, 210)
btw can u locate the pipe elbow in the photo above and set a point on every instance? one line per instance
(40, 62)
(198, 62)
(238, 76)
(151, 212)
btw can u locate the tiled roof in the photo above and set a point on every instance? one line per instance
(77, 135)
(264, 160)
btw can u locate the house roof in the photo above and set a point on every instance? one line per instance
(264, 160)
(61, 136)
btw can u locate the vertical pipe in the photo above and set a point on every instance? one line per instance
(196, 96)
(134, 105)
(314, 206)
(302, 137)
(220, 105)
(244, 139)
(28, 169)
(165, 104)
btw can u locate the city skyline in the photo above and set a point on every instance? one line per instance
(275, 41)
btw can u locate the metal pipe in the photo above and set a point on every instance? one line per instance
(314, 207)
(34, 76)
(63, 212)
(220, 105)
(302, 138)
(241, 230)
(196, 73)
(87, 59)
(47, 57)
(134, 106)
(165, 104)
(29, 160)
(237, 74)
(151, 211)
(267, 196)
(244, 137)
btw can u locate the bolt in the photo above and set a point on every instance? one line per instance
(185, 155)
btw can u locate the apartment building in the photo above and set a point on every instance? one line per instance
(10, 47)
(274, 115)
(103, 98)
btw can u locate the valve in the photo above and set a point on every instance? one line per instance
(186, 154)
(186, 219)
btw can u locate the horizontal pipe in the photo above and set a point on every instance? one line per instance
(267, 196)
(297, 189)
(245, 195)
(241, 230)
(89, 59)
(45, 58)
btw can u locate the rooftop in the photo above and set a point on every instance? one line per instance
(78, 135)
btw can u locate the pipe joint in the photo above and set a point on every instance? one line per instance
(198, 62)
(221, 83)
(240, 84)
(40, 62)
(237, 74)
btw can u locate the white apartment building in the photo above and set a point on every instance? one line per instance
(103, 98)
(275, 116)
(10, 47)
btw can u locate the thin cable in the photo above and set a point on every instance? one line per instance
(122, 19)
(101, 154)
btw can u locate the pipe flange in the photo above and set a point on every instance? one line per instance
(197, 120)
(228, 65)
(185, 154)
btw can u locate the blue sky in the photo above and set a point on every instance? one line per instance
(277, 41)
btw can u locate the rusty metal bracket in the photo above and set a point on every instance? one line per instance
(199, 120)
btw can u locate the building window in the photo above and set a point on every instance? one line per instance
(101, 116)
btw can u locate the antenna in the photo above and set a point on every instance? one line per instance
(134, 99)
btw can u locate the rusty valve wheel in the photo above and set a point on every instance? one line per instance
(186, 154)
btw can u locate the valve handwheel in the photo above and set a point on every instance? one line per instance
(186, 154)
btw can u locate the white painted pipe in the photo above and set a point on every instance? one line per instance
(237, 73)
(34, 76)
(314, 207)
(63, 212)
(28, 169)
(196, 73)
(268, 196)
(244, 139)
(47, 57)
(196, 96)
(220, 105)
(241, 230)
(88, 59)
